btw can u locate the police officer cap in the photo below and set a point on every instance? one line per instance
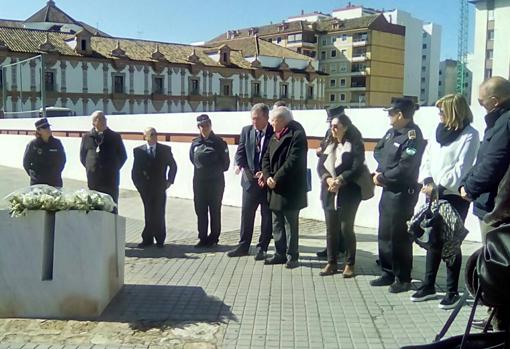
(405, 105)
(336, 111)
(203, 119)
(42, 123)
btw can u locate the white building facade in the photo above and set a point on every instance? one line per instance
(491, 49)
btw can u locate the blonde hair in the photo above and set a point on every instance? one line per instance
(456, 111)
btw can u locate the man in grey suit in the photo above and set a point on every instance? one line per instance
(252, 147)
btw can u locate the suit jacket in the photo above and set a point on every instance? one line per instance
(153, 174)
(285, 161)
(103, 156)
(245, 154)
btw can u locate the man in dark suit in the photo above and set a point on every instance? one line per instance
(103, 155)
(284, 172)
(252, 147)
(154, 170)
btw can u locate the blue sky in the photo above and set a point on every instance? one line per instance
(193, 20)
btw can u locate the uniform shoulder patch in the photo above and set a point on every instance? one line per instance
(411, 134)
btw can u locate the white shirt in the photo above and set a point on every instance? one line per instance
(447, 165)
(153, 149)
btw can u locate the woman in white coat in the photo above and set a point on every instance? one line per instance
(449, 155)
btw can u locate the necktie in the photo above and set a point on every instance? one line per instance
(258, 149)
(151, 152)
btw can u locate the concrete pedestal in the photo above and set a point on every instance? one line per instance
(64, 265)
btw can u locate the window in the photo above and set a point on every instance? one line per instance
(194, 87)
(332, 83)
(440, 72)
(224, 57)
(278, 39)
(342, 82)
(324, 41)
(118, 84)
(342, 97)
(83, 45)
(490, 54)
(490, 34)
(255, 89)
(332, 97)
(309, 92)
(423, 69)
(488, 73)
(344, 37)
(424, 46)
(323, 54)
(423, 57)
(343, 68)
(49, 81)
(440, 83)
(333, 53)
(158, 85)
(312, 54)
(284, 91)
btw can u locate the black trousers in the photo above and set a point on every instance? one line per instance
(252, 199)
(340, 224)
(395, 244)
(207, 196)
(286, 234)
(154, 203)
(434, 256)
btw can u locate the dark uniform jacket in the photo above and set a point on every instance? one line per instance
(481, 182)
(350, 168)
(103, 156)
(245, 154)
(209, 157)
(398, 155)
(44, 162)
(153, 173)
(285, 161)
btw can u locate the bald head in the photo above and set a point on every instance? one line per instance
(99, 121)
(494, 92)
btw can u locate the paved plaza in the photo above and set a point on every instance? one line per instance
(182, 297)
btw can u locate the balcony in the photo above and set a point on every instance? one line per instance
(359, 43)
(359, 58)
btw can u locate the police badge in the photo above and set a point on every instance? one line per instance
(411, 134)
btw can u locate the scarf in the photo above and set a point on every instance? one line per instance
(446, 136)
(281, 133)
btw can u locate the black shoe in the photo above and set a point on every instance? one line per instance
(275, 260)
(449, 301)
(481, 323)
(322, 253)
(382, 281)
(160, 245)
(399, 286)
(237, 252)
(423, 294)
(211, 243)
(292, 264)
(261, 255)
(201, 244)
(144, 244)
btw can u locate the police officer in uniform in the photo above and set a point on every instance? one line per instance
(210, 158)
(44, 157)
(398, 155)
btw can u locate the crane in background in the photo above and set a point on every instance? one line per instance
(462, 46)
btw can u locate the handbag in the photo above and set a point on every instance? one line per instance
(366, 183)
(425, 226)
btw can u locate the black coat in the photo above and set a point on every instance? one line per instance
(349, 169)
(102, 166)
(44, 162)
(398, 155)
(152, 174)
(481, 182)
(245, 154)
(209, 157)
(285, 161)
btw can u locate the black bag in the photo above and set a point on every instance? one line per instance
(425, 226)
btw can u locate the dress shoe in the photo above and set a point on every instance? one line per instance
(201, 244)
(144, 244)
(399, 286)
(382, 281)
(275, 260)
(292, 264)
(212, 243)
(480, 324)
(329, 269)
(322, 253)
(237, 252)
(348, 271)
(160, 245)
(261, 255)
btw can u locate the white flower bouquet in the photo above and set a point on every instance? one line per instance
(45, 197)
